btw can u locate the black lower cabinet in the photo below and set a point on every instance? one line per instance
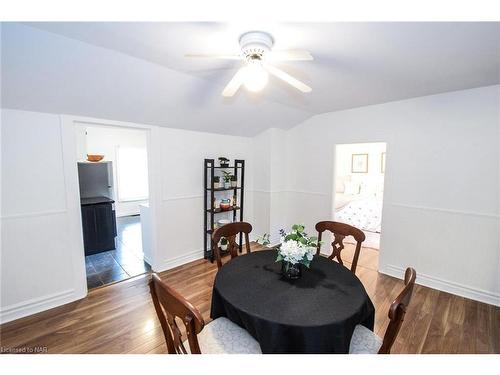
(99, 227)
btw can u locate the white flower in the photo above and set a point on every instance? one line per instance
(294, 252)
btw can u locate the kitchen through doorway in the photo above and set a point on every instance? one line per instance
(114, 196)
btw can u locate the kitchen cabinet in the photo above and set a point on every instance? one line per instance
(99, 224)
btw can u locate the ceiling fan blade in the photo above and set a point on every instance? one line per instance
(209, 56)
(287, 78)
(290, 55)
(234, 84)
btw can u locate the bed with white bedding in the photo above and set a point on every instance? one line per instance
(365, 214)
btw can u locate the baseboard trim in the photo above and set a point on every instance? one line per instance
(147, 259)
(36, 305)
(180, 260)
(445, 285)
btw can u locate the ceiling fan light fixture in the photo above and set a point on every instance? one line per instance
(256, 52)
(256, 77)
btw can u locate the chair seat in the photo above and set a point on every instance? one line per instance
(222, 336)
(364, 341)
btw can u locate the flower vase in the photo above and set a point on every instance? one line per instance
(291, 271)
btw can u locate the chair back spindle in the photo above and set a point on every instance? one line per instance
(397, 311)
(340, 231)
(170, 305)
(230, 232)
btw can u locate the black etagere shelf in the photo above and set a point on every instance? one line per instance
(211, 193)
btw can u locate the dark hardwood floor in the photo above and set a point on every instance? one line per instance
(120, 318)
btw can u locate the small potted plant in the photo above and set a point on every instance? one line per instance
(234, 181)
(223, 243)
(227, 179)
(216, 182)
(224, 162)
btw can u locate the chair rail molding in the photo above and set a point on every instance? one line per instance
(34, 214)
(444, 210)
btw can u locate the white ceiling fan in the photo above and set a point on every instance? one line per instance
(257, 53)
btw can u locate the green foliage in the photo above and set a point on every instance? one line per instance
(227, 176)
(298, 234)
(264, 240)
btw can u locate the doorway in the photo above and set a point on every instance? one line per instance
(359, 188)
(114, 194)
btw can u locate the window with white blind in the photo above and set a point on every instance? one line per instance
(132, 173)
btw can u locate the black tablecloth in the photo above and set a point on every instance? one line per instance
(315, 314)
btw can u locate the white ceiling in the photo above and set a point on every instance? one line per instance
(138, 72)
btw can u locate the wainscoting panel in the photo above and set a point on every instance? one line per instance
(451, 250)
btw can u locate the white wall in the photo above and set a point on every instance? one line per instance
(42, 261)
(181, 214)
(441, 199)
(441, 212)
(42, 257)
(269, 150)
(104, 140)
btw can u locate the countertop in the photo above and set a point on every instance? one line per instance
(95, 200)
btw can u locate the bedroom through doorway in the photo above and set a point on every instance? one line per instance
(359, 188)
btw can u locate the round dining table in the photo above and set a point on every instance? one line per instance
(314, 314)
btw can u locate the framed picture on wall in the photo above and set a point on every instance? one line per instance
(359, 163)
(382, 163)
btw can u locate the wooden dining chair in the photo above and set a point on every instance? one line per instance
(220, 336)
(340, 231)
(230, 231)
(364, 341)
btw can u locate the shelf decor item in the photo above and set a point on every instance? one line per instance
(227, 179)
(296, 250)
(222, 222)
(234, 181)
(215, 210)
(223, 243)
(94, 158)
(224, 162)
(225, 204)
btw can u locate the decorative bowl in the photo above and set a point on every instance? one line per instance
(95, 158)
(225, 204)
(222, 222)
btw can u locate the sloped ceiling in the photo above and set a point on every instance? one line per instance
(137, 71)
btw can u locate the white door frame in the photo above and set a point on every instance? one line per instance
(334, 182)
(68, 125)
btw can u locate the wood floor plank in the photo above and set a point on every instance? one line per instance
(120, 318)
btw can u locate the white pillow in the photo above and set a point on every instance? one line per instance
(351, 188)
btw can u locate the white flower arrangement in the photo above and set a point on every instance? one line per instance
(296, 246)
